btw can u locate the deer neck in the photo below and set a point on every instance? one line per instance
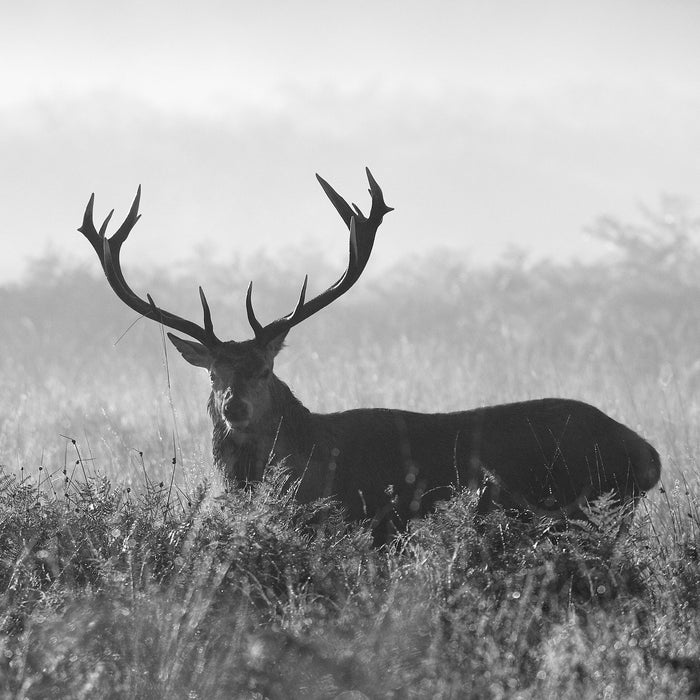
(283, 432)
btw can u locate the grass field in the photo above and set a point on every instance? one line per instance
(125, 571)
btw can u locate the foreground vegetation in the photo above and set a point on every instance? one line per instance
(125, 571)
(109, 593)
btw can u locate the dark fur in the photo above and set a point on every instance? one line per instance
(390, 465)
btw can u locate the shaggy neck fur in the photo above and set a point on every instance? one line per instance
(284, 432)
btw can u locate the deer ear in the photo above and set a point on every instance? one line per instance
(276, 344)
(195, 353)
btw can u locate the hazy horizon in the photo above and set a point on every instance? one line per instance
(488, 126)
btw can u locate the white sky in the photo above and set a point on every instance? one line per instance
(487, 124)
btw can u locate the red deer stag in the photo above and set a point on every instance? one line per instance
(547, 456)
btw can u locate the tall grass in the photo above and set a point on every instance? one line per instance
(125, 571)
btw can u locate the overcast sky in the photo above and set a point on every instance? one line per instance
(488, 124)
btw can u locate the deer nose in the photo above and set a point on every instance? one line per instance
(236, 411)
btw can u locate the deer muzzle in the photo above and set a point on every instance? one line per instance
(236, 412)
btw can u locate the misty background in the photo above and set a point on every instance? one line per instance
(541, 157)
(489, 125)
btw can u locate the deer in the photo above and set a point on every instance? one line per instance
(385, 466)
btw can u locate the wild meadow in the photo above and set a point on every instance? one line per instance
(126, 570)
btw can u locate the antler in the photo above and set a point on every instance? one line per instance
(108, 249)
(362, 232)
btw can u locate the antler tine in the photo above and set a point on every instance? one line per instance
(95, 237)
(120, 235)
(105, 223)
(87, 228)
(302, 296)
(341, 206)
(208, 325)
(298, 309)
(376, 193)
(254, 323)
(362, 233)
(108, 250)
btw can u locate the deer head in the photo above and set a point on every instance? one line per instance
(241, 372)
